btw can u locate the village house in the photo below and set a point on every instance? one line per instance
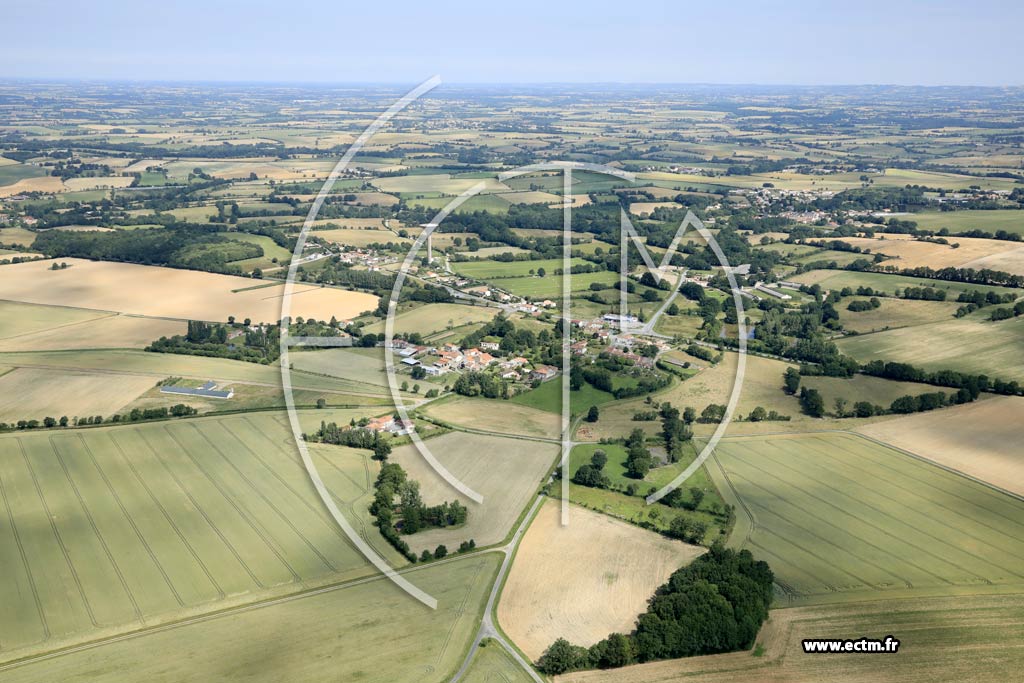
(477, 360)
(543, 372)
(579, 348)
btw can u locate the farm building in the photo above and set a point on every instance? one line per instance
(207, 390)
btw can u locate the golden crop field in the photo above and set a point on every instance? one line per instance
(171, 293)
(979, 439)
(584, 580)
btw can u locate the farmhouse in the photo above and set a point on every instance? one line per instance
(543, 372)
(389, 424)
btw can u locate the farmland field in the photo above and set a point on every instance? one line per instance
(979, 439)
(492, 664)
(496, 416)
(436, 317)
(94, 331)
(360, 238)
(115, 527)
(966, 344)
(968, 253)
(893, 313)
(35, 393)
(961, 221)
(968, 638)
(506, 472)
(302, 638)
(839, 517)
(117, 362)
(585, 580)
(172, 293)
(837, 279)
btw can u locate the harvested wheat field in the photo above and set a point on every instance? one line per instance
(585, 580)
(908, 253)
(931, 631)
(980, 439)
(506, 472)
(110, 331)
(171, 293)
(35, 393)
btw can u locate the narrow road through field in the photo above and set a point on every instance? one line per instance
(488, 629)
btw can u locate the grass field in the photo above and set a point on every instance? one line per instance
(876, 390)
(762, 386)
(504, 471)
(26, 319)
(362, 366)
(504, 417)
(171, 293)
(894, 313)
(17, 236)
(1010, 220)
(493, 270)
(979, 439)
(974, 639)
(303, 638)
(839, 517)
(548, 396)
(35, 393)
(585, 580)
(492, 664)
(119, 526)
(837, 279)
(966, 344)
(433, 318)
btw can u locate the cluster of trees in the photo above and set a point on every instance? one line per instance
(675, 429)
(178, 246)
(638, 458)
(811, 402)
(135, 415)
(261, 345)
(409, 514)
(920, 403)
(354, 437)
(715, 604)
(1007, 313)
(592, 473)
(484, 384)
(924, 293)
(969, 386)
(860, 305)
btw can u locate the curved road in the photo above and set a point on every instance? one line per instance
(487, 627)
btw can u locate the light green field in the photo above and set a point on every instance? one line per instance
(119, 526)
(485, 202)
(548, 396)
(169, 364)
(18, 319)
(1010, 220)
(304, 639)
(491, 270)
(433, 318)
(837, 279)
(363, 366)
(550, 286)
(17, 236)
(840, 517)
(894, 313)
(876, 390)
(969, 344)
(505, 417)
(271, 250)
(492, 664)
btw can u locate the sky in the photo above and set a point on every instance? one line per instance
(903, 42)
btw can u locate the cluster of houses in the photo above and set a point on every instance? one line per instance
(440, 360)
(389, 425)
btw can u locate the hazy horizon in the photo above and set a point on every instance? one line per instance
(906, 42)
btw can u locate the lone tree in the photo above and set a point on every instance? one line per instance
(791, 380)
(593, 414)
